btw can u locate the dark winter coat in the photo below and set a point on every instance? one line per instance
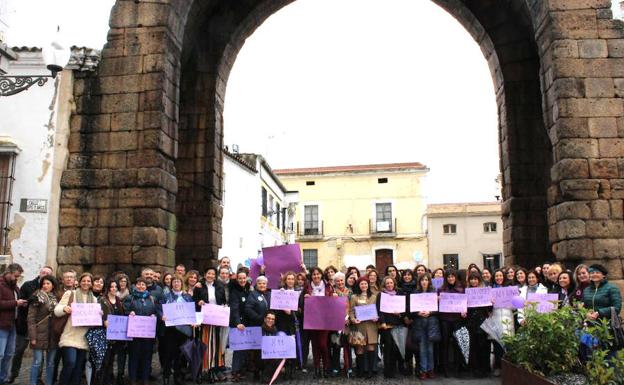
(39, 324)
(256, 306)
(238, 296)
(25, 292)
(201, 294)
(141, 306)
(602, 298)
(8, 303)
(450, 316)
(389, 318)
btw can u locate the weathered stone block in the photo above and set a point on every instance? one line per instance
(575, 249)
(576, 148)
(113, 255)
(77, 218)
(593, 48)
(570, 169)
(599, 88)
(613, 228)
(580, 189)
(127, 65)
(151, 256)
(69, 236)
(616, 47)
(563, 5)
(600, 209)
(570, 229)
(565, 48)
(121, 235)
(617, 208)
(603, 168)
(569, 88)
(590, 107)
(592, 68)
(115, 217)
(607, 248)
(94, 236)
(127, 102)
(619, 87)
(75, 255)
(124, 121)
(149, 236)
(611, 148)
(573, 210)
(571, 128)
(603, 127)
(617, 188)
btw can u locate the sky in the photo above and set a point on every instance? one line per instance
(340, 82)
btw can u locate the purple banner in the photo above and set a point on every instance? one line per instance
(423, 302)
(479, 296)
(502, 296)
(546, 303)
(217, 315)
(392, 303)
(279, 260)
(141, 326)
(285, 299)
(324, 313)
(117, 329)
(274, 347)
(453, 303)
(254, 270)
(248, 339)
(86, 314)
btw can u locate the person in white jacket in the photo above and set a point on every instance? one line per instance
(533, 286)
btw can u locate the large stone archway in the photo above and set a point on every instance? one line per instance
(143, 183)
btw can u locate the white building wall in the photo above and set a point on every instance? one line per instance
(29, 120)
(470, 242)
(242, 209)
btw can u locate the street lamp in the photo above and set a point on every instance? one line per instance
(55, 57)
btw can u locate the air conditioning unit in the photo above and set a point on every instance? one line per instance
(383, 226)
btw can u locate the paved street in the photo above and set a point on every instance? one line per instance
(301, 380)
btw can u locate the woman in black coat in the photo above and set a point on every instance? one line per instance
(387, 321)
(239, 290)
(479, 360)
(256, 307)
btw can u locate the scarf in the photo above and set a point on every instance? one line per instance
(532, 289)
(140, 294)
(391, 292)
(79, 296)
(318, 291)
(48, 300)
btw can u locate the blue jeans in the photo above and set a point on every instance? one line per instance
(7, 350)
(426, 355)
(73, 366)
(36, 365)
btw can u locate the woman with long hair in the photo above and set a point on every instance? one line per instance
(409, 286)
(362, 295)
(426, 327)
(388, 321)
(73, 343)
(39, 321)
(320, 350)
(124, 289)
(479, 358)
(420, 270)
(374, 281)
(112, 305)
(190, 281)
(486, 276)
(239, 291)
(210, 292)
(337, 338)
(175, 336)
(166, 282)
(286, 320)
(449, 323)
(504, 316)
(581, 279)
(567, 287)
(533, 286)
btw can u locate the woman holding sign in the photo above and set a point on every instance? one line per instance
(73, 342)
(320, 349)
(112, 305)
(256, 307)
(175, 336)
(388, 322)
(479, 360)
(286, 320)
(239, 290)
(140, 303)
(449, 322)
(363, 296)
(337, 338)
(211, 292)
(426, 329)
(42, 340)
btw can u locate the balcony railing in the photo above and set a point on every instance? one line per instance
(309, 232)
(382, 228)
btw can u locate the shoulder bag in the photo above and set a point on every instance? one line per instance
(58, 323)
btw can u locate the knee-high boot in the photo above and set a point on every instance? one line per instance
(371, 363)
(359, 362)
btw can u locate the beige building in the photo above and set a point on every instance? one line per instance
(463, 233)
(359, 215)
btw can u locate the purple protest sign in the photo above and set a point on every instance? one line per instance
(437, 283)
(423, 302)
(179, 313)
(117, 329)
(279, 260)
(254, 270)
(502, 296)
(284, 299)
(86, 314)
(366, 312)
(248, 339)
(545, 302)
(453, 303)
(216, 315)
(392, 303)
(278, 347)
(141, 326)
(479, 296)
(324, 313)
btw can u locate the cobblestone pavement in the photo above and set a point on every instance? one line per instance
(306, 379)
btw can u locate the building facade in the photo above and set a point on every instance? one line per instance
(258, 210)
(359, 215)
(463, 233)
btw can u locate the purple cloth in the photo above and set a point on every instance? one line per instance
(324, 313)
(254, 270)
(279, 260)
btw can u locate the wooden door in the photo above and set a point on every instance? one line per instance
(383, 258)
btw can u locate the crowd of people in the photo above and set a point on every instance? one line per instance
(37, 315)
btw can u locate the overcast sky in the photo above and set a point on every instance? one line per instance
(337, 82)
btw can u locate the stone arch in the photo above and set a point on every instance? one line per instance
(143, 184)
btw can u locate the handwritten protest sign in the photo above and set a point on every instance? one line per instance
(392, 303)
(278, 347)
(285, 299)
(141, 326)
(117, 329)
(216, 315)
(479, 296)
(502, 296)
(366, 312)
(248, 339)
(179, 313)
(453, 303)
(279, 260)
(423, 302)
(545, 302)
(324, 313)
(86, 314)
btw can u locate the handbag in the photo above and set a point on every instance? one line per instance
(58, 323)
(356, 338)
(617, 329)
